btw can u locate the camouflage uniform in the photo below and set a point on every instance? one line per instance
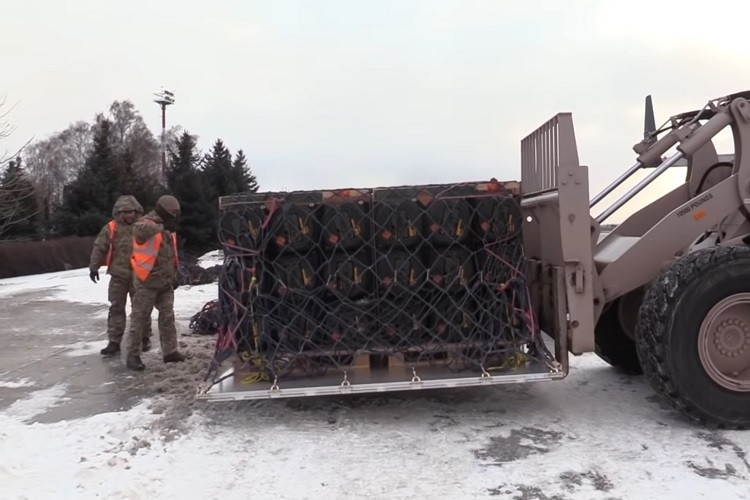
(120, 271)
(157, 290)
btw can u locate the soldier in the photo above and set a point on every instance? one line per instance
(155, 262)
(112, 248)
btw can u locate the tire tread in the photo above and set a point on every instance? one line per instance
(654, 319)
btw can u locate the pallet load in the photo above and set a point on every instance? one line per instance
(321, 281)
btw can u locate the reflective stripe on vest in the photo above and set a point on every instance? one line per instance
(112, 229)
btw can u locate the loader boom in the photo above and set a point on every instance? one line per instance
(564, 245)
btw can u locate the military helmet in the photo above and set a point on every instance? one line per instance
(168, 207)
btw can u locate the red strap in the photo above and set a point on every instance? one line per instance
(176, 259)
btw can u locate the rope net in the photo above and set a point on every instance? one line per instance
(314, 281)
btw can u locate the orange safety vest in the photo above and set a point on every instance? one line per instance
(112, 227)
(144, 254)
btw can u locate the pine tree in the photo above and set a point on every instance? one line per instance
(143, 186)
(18, 208)
(111, 170)
(217, 170)
(197, 229)
(88, 200)
(243, 178)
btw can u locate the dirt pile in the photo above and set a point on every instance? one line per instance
(191, 273)
(174, 385)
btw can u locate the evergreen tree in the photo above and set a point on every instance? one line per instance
(18, 209)
(197, 229)
(217, 170)
(242, 176)
(88, 200)
(143, 186)
(110, 171)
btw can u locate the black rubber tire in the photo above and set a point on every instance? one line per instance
(613, 345)
(667, 334)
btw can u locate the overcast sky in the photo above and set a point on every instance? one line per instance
(354, 93)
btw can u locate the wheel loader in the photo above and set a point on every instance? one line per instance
(355, 290)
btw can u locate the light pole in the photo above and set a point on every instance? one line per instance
(164, 98)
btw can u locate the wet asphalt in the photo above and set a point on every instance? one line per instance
(41, 344)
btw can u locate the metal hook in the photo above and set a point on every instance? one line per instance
(554, 365)
(415, 378)
(345, 382)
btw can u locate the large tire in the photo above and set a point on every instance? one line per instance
(613, 344)
(693, 323)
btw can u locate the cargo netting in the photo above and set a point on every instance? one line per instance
(315, 281)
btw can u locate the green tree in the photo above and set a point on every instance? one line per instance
(18, 209)
(218, 171)
(132, 180)
(242, 176)
(56, 163)
(87, 201)
(111, 169)
(197, 229)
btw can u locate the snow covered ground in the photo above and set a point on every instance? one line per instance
(74, 425)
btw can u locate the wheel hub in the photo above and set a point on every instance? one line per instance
(724, 342)
(732, 337)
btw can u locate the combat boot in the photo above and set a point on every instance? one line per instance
(111, 349)
(146, 345)
(134, 362)
(174, 357)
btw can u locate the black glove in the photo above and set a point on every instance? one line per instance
(94, 275)
(175, 285)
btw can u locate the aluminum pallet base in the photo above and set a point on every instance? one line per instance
(366, 380)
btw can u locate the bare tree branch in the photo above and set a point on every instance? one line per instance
(17, 203)
(56, 161)
(6, 129)
(17, 193)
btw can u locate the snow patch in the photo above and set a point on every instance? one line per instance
(71, 286)
(16, 384)
(36, 403)
(210, 259)
(81, 348)
(191, 300)
(66, 459)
